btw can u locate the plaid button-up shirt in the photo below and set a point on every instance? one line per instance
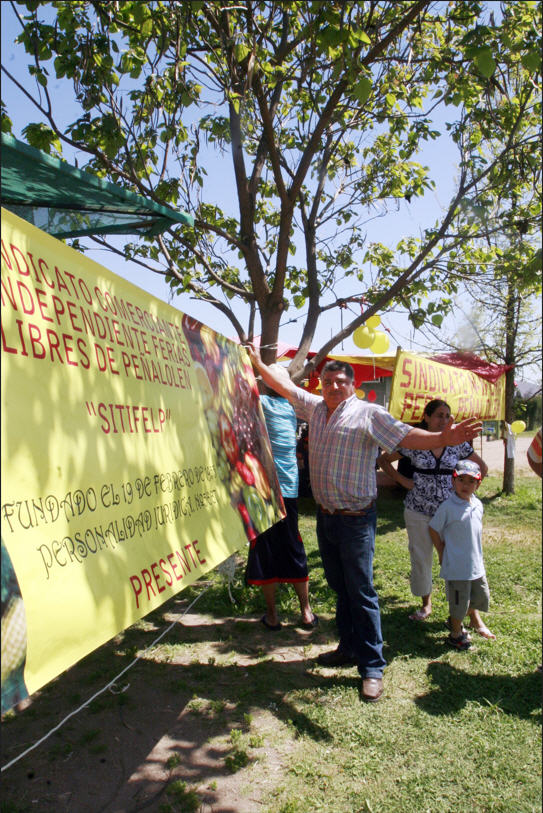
(343, 451)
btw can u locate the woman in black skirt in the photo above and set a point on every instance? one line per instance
(278, 554)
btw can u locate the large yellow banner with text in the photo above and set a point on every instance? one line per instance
(135, 456)
(417, 380)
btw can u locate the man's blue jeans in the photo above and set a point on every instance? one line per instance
(346, 545)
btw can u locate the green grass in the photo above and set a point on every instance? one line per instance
(519, 511)
(454, 731)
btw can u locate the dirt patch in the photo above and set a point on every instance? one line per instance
(170, 719)
(492, 452)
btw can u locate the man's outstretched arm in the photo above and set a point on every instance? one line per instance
(452, 435)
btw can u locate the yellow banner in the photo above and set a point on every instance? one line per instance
(135, 456)
(417, 380)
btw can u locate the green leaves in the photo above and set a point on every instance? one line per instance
(43, 138)
(362, 90)
(147, 28)
(322, 141)
(417, 317)
(330, 37)
(485, 62)
(532, 60)
(132, 62)
(6, 124)
(241, 51)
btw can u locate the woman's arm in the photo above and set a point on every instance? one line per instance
(385, 460)
(480, 462)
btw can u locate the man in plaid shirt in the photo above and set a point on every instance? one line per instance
(345, 434)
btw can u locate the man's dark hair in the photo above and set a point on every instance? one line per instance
(338, 367)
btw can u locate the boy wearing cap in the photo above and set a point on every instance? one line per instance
(456, 531)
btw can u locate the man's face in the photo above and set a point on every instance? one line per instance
(336, 387)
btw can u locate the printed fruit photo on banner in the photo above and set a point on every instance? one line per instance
(13, 636)
(231, 404)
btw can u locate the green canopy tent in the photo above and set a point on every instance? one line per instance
(67, 202)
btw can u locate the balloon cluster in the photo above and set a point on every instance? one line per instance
(366, 336)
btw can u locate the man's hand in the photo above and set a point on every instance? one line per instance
(254, 355)
(466, 430)
(273, 375)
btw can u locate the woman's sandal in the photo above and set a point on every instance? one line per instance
(272, 627)
(309, 625)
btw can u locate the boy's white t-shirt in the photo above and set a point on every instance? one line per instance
(459, 524)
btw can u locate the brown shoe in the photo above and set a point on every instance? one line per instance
(335, 658)
(372, 689)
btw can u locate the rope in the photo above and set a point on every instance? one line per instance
(105, 688)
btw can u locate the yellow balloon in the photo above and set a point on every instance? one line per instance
(518, 426)
(361, 394)
(381, 343)
(374, 321)
(363, 336)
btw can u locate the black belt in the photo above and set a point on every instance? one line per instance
(435, 472)
(341, 512)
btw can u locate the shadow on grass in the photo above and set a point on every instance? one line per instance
(178, 706)
(517, 695)
(489, 499)
(169, 718)
(405, 637)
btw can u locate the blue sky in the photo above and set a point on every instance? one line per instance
(440, 155)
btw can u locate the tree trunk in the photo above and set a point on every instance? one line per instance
(511, 317)
(508, 485)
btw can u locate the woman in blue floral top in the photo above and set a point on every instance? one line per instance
(429, 485)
